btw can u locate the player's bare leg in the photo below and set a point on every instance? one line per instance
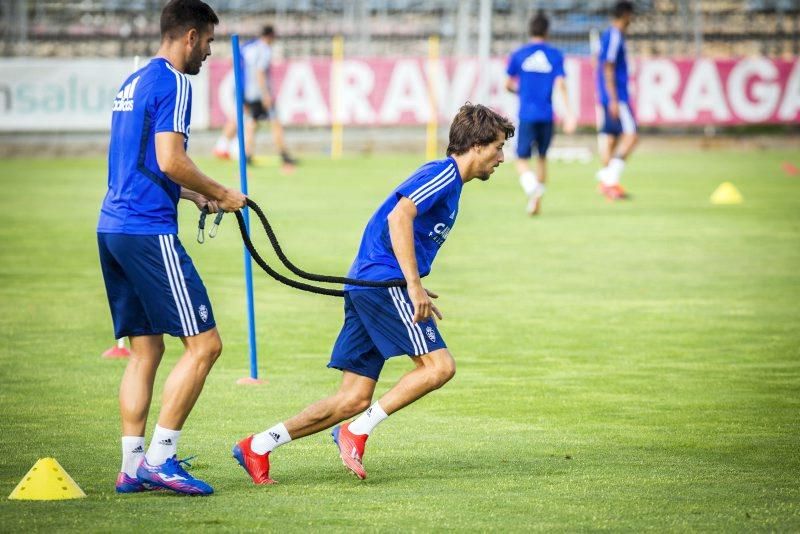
(280, 143)
(431, 371)
(222, 149)
(186, 380)
(354, 396)
(136, 388)
(135, 394)
(251, 127)
(160, 466)
(533, 183)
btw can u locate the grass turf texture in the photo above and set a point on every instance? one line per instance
(620, 366)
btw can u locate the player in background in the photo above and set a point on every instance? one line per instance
(616, 124)
(401, 240)
(259, 100)
(152, 286)
(533, 70)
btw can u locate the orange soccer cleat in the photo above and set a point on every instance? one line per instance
(351, 449)
(256, 465)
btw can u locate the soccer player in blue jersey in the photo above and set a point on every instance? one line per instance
(533, 70)
(617, 126)
(152, 286)
(400, 241)
(259, 101)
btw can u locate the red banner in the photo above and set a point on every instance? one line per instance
(405, 91)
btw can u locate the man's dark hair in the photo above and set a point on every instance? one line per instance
(268, 31)
(622, 8)
(476, 125)
(180, 16)
(538, 25)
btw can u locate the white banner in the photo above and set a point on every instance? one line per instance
(73, 95)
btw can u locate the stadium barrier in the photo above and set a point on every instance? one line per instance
(59, 95)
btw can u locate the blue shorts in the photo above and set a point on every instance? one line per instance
(152, 286)
(624, 124)
(378, 325)
(530, 132)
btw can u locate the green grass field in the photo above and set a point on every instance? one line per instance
(621, 367)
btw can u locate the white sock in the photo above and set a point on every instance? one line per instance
(368, 420)
(529, 182)
(540, 189)
(616, 166)
(163, 445)
(132, 454)
(607, 177)
(223, 143)
(270, 439)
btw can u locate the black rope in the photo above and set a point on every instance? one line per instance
(296, 270)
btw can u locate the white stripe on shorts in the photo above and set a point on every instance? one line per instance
(182, 286)
(168, 268)
(626, 118)
(406, 312)
(399, 309)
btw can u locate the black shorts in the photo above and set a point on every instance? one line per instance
(258, 112)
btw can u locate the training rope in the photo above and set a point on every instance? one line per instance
(292, 267)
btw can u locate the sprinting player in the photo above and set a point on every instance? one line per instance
(617, 126)
(533, 70)
(400, 241)
(152, 286)
(259, 100)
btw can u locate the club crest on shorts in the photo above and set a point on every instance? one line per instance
(431, 334)
(203, 311)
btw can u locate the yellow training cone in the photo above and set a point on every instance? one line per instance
(47, 481)
(726, 193)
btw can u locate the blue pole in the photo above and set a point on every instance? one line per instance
(248, 268)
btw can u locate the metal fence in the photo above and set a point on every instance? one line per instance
(116, 28)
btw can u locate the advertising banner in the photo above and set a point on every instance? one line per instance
(404, 91)
(74, 94)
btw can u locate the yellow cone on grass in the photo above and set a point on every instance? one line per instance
(47, 481)
(726, 193)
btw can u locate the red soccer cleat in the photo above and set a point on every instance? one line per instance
(612, 192)
(256, 465)
(351, 449)
(221, 154)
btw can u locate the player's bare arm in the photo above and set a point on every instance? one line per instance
(199, 200)
(401, 232)
(570, 122)
(266, 97)
(512, 86)
(175, 163)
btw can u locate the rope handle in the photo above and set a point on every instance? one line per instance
(201, 224)
(285, 260)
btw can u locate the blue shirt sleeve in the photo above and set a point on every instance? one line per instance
(173, 104)
(428, 187)
(513, 65)
(558, 68)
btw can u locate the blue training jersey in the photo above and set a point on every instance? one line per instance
(141, 199)
(435, 189)
(536, 66)
(612, 50)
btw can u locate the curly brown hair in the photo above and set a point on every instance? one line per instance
(476, 125)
